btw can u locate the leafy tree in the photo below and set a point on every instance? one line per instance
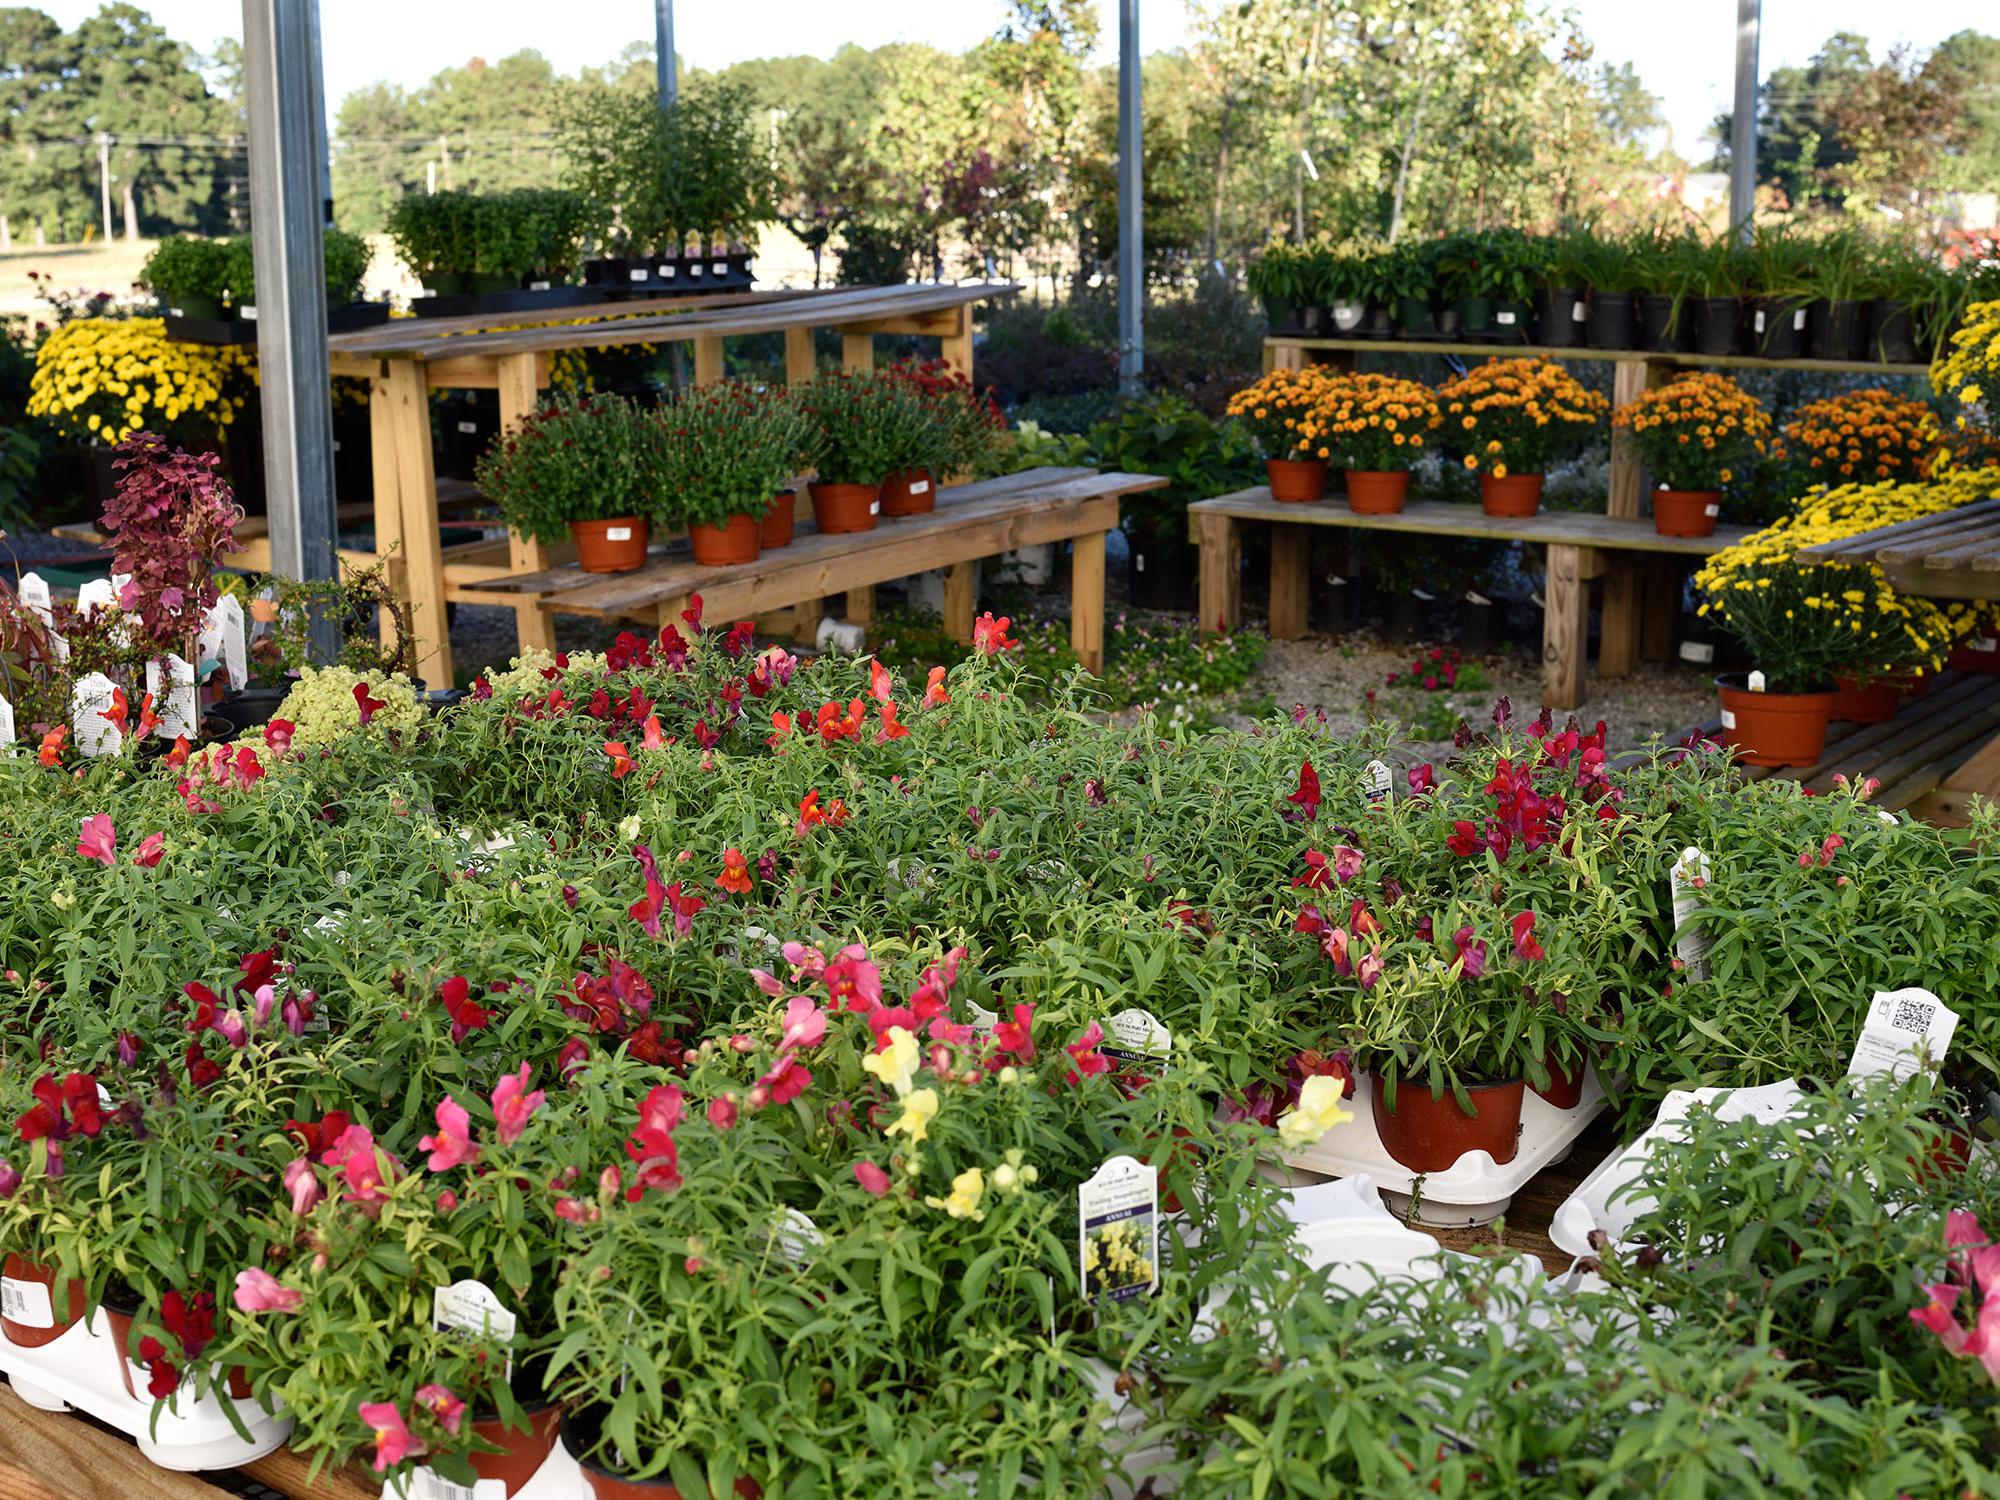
(1975, 165)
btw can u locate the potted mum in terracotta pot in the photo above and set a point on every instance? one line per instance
(953, 433)
(717, 461)
(1377, 426)
(1510, 419)
(1284, 411)
(1694, 434)
(571, 473)
(858, 433)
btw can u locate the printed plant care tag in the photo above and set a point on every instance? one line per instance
(222, 638)
(638, 273)
(1728, 719)
(1137, 1036)
(618, 533)
(175, 707)
(1578, 314)
(1376, 780)
(34, 592)
(1759, 320)
(1118, 1230)
(1711, 509)
(1905, 1030)
(920, 486)
(667, 272)
(89, 701)
(468, 427)
(427, 1484)
(1689, 874)
(720, 268)
(473, 1307)
(982, 1020)
(797, 1238)
(538, 286)
(97, 594)
(1504, 317)
(1984, 643)
(1698, 652)
(27, 1303)
(6, 722)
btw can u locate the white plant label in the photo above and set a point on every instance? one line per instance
(97, 594)
(618, 533)
(920, 487)
(1756, 682)
(222, 638)
(1577, 313)
(1759, 320)
(720, 268)
(1376, 780)
(248, 311)
(797, 1238)
(89, 702)
(1137, 1036)
(1711, 510)
(1728, 718)
(427, 1484)
(34, 592)
(1690, 872)
(473, 1307)
(1905, 1030)
(667, 272)
(1118, 1231)
(1138, 562)
(1799, 319)
(1980, 643)
(983, 1020)
(176, 707)
(468, 427)
(1504, 318)
(6, 722)
(1420, 594)
(639, 273)
(26, 1303)
(874, 507)
(1697, 651)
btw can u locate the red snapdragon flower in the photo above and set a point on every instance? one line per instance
(1305, 800)
(1318, 873)
(934, 694)
(150, 850)
(452, 1145)
(812, 815)
(735, 877)
(467, 1015)
(621, 759)
(1525, 945)
(989, 636)
(514, 1105)
(651, 1147)
(98, 840)
(1089, 1062)
(369, 706)
(394, 1442)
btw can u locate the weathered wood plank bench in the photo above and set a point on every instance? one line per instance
(1581, 546)
(971, 522)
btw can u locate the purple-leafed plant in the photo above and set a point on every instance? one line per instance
(173, 519)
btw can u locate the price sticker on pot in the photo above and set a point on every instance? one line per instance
(720, 268)
(1904, 1031)
(618, 533)
(920, 486)
(427, 1484)
(27, 1303)
(1118, 1231)
(639, 273)
(1137, 1036)
(474, 1309)
(468, 427)
(1691, 872)
(667, 273)
(1577, 312)
(1376, 779)
(1711, 509)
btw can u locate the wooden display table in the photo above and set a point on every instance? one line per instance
(1581, 546)
(971, 521)
(511, 353)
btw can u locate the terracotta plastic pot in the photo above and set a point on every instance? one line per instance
(1686, 512)
(845, 507)
(580, 1431)
(1873, 704)
(1427, 1134)
(1565, 1090)
(1774, 729)
(910, 493)
(17, 1269)
(1372, 492)
(737, 540)
(776, 530)
(1511, 495)
(525, 1451)
(1978, 655)
(614, 546)
(1296, 478)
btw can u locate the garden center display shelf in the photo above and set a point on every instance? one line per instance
(79, 1370)
(1275, 343)
(1475, 1189)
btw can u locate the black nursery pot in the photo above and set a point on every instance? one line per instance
(1560, 315)
(1404, 617)
(1162, 575)
(1718, 325)
(249, 708)
(1611, 320)
(1335, 606)
(1282, 316)
(1379, 323)
(1312, 319)
(1664, 328)
(1479, 622)
(1778, 327)
(1835, 328)
(1892, 337)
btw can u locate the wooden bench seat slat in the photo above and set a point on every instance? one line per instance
(1924, 767)
(1894, 539)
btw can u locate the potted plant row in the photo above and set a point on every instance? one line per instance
(207, 289)
(512, 251)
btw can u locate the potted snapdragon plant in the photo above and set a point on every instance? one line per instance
(1509, 419)
(571, 473)
(714, 459)
(1377, 427)
(1694, 434)
(1284, 412)
(858, 427)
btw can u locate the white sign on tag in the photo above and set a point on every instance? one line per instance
(6, 722)
(473, 1307)
(1504, 318)
(1577, 314)
(1799, 319)
(797, 1238)
(1978, 643)
(983, 1020)
(538, 286)
(248, 312)
(1759, 320)
(1755, 682)
(222, 638)
(88, 703)
(1137, 1036)
(920, 487)
(1376, 780)
(618, 533)
(1700, 652)
(720, 268)
(694, 270)
(95, 595)
(667, 272)
(1690, 942)
(468, 427)
(874, 507)
(175, 709)
(33, 591)
(26, 1303)
(427, 1484)
(1118, 1230)
(1905, 1030)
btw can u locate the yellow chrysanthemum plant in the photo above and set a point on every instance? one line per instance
(1512, 419)
(1808, 624)
(1859, 436)
(1696, 435)
(1967, 375)
(103, 379)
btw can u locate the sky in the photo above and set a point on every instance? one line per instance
(1684, 51)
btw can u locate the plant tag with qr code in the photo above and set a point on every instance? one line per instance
(1118, 1230)
(1689, 874)
(1905, 1030)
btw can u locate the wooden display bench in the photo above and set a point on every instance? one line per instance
(1581, 546)
(512, 354)
(971, 522)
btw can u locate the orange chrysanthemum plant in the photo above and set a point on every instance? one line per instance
(1695, 435)
(1509, 419)
(1377, 426)
(1285, 411)
(1861, 436)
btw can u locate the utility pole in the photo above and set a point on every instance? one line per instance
(286, 117)
(1131, 207)
(1743, 120)
(663, 52)
(104, 179)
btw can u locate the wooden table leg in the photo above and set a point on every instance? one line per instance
(861, 605)
(956, 346)
(1660, 603)
(1618, 639)
(1565, 617)
(801, 621)
(1221, 573)
(534, 626)
(958, 601)
(707, 359)
(388, 502)
(857, 351)
(1086, 600)
(1629, 378)
(416, 490)
(1291, 580)
(800, 362)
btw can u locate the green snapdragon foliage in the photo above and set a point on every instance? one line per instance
(643, 988)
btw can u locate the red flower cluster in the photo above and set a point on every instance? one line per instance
(61, 1110)
(1436, 669)
(221, 770)
(191, 1322)
(467, 1015)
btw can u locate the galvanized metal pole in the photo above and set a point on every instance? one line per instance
(1743, 119)
(324, 152)
(1131, 208)
(104, 180)
(286, 211)
(663, 48)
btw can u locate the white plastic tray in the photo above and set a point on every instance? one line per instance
(1590, 1208)
(79, 1370)
(1475, 1189)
